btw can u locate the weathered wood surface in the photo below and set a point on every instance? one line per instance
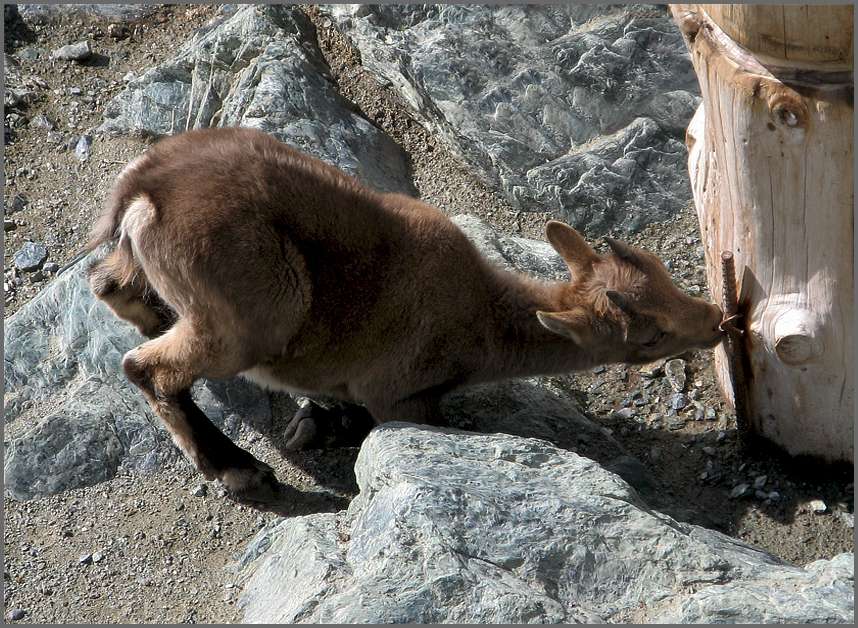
(770, 159)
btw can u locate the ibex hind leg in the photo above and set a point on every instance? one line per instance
(164, 369)
(119, 281)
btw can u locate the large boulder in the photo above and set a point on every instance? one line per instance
(577, 110)
(259, 67)
(469, 528)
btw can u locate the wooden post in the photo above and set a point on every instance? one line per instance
(770, 159)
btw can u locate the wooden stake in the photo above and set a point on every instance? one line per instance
(735, 350)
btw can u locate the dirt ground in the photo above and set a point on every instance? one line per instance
(147, 549)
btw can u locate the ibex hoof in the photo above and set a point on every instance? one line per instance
(314, 427)
(255, 485)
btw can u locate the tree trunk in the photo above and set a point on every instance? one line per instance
(770, 159)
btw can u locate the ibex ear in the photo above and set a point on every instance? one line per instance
(570, 245)
(621, 301)
(574, 324)
(622, 250)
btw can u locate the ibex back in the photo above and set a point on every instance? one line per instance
(237, 254)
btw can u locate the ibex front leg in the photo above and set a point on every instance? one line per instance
(164, 369)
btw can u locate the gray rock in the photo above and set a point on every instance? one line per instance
(260, 68)
(674, 370)
(80, 51)
(18, 203)
(51, 267)
(577, 110)
(72, 419)
(97, 557)
(85, 559)
(200, 490)
(467, 528)
(30, 257)
(818, 506)
(678, 401)
(81, 149)
(42, 121)
(739, 490)
(15, 614)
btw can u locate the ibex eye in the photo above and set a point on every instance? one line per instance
(655, 339)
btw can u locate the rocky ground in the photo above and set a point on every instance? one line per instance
(154, 548)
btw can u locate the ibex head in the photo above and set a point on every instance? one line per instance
(625, 304)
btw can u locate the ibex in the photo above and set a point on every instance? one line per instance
(238, 255)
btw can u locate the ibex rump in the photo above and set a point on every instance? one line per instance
(237, 255)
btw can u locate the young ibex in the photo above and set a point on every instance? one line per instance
(240, 255)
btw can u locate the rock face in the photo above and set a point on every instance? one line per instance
(71, 417)
(469, 528)
(577, 110)
(259, 67)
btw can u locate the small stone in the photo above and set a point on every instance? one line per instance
(42, 121)
(200, 490)
(85, 559)
(710, 414)
(80, 51)
(709, 451)
(51, 267)
(30, 257)
(653, 369)
(75, 91)
(738, 491)
(678, 401)
(129, 77)
(774, 496)
(760, 481)
(97, 557)
(81, 149)
(18, 202)
(722, 436)
(674, 370)
(9, 225)
(117, 31)
(848, 519)
(675, 423)
(600, 369)
(698, 414)
(15, 614)
(818, 506)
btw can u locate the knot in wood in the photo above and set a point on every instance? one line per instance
(788, 110)
(797, 337)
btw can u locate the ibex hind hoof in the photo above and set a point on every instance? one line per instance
(314, 427)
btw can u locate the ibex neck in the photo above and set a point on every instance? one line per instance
(519, 345)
